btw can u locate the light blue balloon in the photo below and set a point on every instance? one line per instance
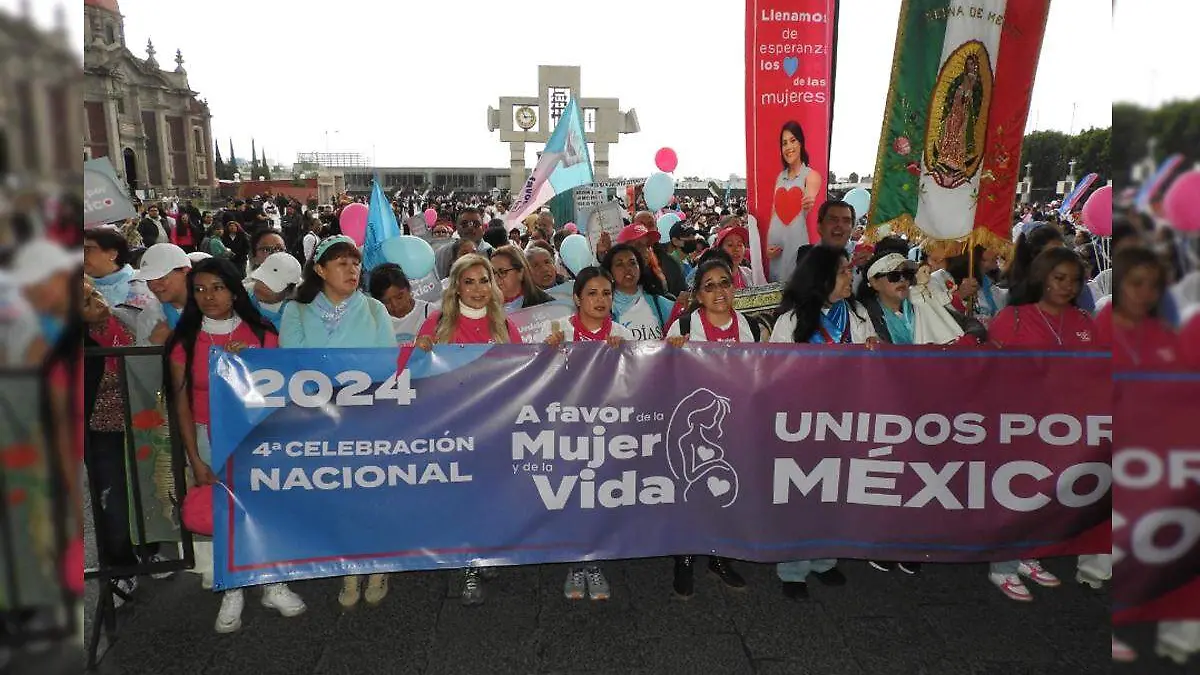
(860, 199)
(658, 190)
(665, 221)
(414, 255)
(576, 254)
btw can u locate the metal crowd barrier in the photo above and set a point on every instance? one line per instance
(105, 623)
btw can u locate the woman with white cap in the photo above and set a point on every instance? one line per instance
(897, 320)
(330, 311)
(272, 284)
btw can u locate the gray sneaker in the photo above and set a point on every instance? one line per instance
(596, 583)
(576, 585)
(472, 592)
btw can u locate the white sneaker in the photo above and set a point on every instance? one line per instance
(1040, 576)
(1011, 585)
(229, 618)
(281, 598)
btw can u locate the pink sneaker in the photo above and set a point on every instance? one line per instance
(1122, 652)
(1034, 570)
(1010, 585)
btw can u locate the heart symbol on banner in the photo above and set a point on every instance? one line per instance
(718, 486)
(790, 64)
(788, 204)
(705, 453)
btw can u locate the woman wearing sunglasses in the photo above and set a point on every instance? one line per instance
(710, 317)
(897, 320)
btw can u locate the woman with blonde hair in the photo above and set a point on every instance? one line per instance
(472, 309)
(472, 313)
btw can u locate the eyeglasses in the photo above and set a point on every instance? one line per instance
(722, 285)
(895, 276)
(502, 272)
(271, 249)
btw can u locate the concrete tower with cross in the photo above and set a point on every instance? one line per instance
(531, 119)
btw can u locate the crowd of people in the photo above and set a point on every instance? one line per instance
(239, 278)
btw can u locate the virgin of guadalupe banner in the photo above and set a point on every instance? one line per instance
(949, 151)
(789, 111)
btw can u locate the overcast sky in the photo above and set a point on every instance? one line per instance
(410, 83)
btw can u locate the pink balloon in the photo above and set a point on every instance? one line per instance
(353, 222)
(666, 160)
(1182, 202)
(1097, 212)
(430, 217)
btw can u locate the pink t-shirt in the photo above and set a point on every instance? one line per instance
(469, 331)
(1029, 326)
(204, 342)
(1149, 344)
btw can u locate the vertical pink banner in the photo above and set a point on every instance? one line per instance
(789, 109)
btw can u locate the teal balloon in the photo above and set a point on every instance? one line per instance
(860, 199)
(665, 221)
(576, 254)
(658, 191)
(414, 255)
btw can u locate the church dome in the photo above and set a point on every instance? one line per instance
(107, 5)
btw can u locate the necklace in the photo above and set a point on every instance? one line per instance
(1057, 333)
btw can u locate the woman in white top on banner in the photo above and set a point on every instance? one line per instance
(795, 193)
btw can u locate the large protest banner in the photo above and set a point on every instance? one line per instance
(1156, 498)
(332, 464)
(789, 113)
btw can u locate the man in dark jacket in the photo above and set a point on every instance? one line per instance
(153, 228)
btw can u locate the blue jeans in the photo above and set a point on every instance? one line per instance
(798, 570)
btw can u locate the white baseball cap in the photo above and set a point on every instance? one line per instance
(278, 271)
(39, 260)
(197, 256)
(160, 260)
(889, 263)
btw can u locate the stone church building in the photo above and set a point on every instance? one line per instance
(147, 120)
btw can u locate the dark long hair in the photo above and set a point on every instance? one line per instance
(797, 131)
(188, 328)
(1138, 256)
(1035, 284)
(713, 263)
(1029, 245)
(809, 289)
(959, 266)
(648, 281)
(312, 283)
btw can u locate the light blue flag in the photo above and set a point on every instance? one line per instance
(564, 164)
(381, 226)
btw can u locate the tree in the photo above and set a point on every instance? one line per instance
(1047, 151)
(1093, 151)
(254, 169)
(233, 167)
(853, 177)
(266, 166)
(218, 163)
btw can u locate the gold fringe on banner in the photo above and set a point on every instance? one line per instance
(907, 226)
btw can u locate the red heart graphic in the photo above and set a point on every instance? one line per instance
(788, 203)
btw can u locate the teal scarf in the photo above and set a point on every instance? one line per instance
(900, 326)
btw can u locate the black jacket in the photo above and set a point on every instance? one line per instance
(672, 270)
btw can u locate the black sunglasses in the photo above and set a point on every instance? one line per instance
(895, 276)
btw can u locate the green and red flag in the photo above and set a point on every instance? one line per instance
(949, 152)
